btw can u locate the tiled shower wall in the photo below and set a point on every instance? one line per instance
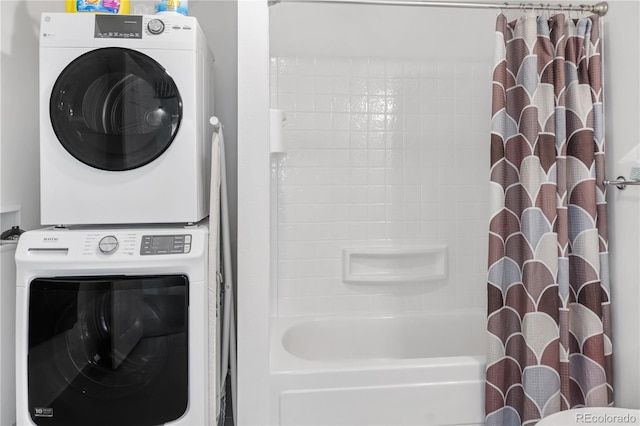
(379, 152)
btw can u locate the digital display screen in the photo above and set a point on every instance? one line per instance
(162, 242)
(165, 244)
(116, 26)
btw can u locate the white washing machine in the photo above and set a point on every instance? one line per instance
(124, 107)
(116, 326)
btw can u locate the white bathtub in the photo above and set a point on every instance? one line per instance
(425, 369)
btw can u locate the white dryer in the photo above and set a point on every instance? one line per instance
(116, 326)
(124, 107)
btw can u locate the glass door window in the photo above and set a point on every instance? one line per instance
(115, 109)
(108, 350)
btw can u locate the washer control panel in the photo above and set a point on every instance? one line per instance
(111, 244)
(116, 243)
(165, 244)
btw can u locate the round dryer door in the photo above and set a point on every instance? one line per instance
(115, 109)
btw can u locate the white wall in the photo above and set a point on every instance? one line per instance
(378, 31)
(253, 216)
(1, 210)
(622, 94)
(19, 135)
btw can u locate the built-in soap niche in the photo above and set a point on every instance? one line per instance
(388, 265)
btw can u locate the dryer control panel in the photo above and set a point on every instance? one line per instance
(90, 31)
(118, 26)
(137, 26)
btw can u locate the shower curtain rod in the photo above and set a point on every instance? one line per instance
(598, 8)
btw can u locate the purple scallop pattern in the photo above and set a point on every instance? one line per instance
(548, 280)
(517, 199)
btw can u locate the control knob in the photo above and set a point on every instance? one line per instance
(108, 244)
(155, 26)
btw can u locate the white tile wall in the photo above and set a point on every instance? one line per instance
(379, 152)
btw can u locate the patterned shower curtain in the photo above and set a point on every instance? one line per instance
(548, 282)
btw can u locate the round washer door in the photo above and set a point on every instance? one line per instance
(115, 109)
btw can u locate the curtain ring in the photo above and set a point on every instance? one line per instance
(548, 9)
(544, 11)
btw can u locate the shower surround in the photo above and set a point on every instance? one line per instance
(385, 161)
(379, 152)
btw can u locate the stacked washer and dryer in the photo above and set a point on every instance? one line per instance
(118, 300)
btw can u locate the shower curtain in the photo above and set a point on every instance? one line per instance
(548, 283)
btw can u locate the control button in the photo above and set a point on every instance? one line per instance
(187, 248)
(155, 26)
(187, 239)
(108, 244)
